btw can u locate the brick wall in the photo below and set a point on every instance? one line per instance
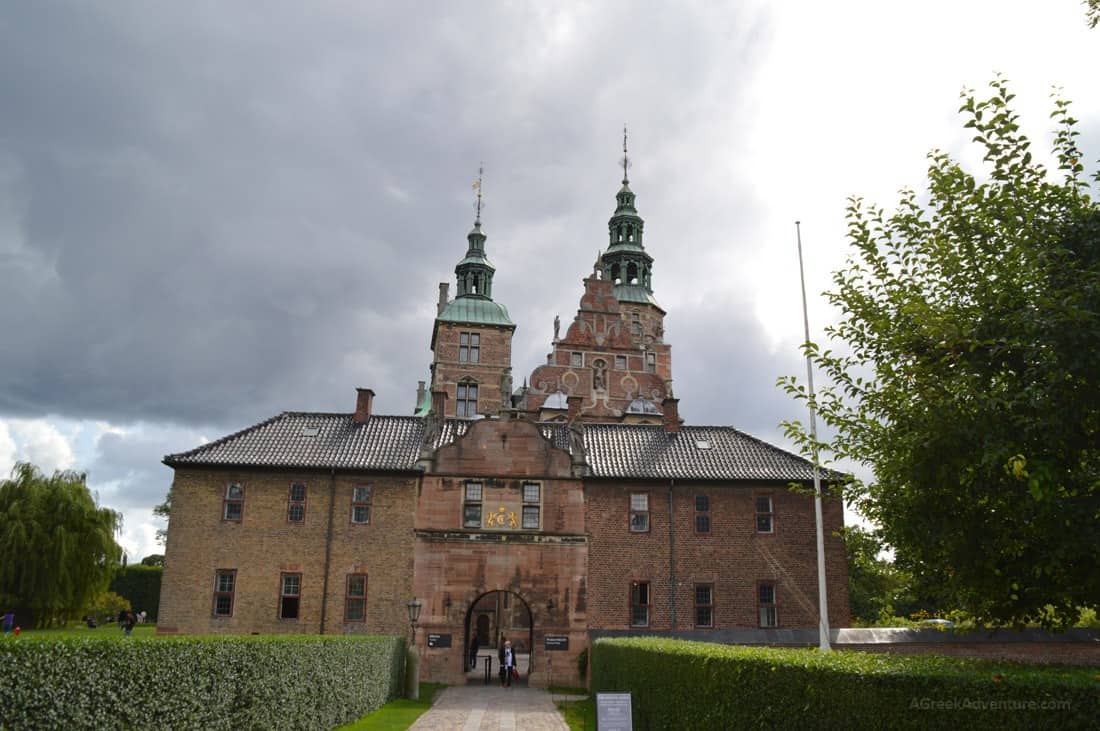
(492, 370)
(734, 558)
(264, 544)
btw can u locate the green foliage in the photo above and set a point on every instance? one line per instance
(163, 510)
(693, 685)
(107, 605)
(153, 559)
(579, 715)
(582, 664)
(1092, 12)
(965, 375)
(285, 682)
(57, 547)
(141, 585)
(878, 590)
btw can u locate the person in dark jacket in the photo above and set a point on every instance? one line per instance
(475, 645)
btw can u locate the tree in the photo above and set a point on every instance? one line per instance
(57, 547)
(153, 559)
(877, 589)
(1092, 12)
(164, 510)
(966, 376)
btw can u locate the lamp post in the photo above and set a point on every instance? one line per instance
(412, 657)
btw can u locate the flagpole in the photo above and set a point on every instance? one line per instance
(822, 603)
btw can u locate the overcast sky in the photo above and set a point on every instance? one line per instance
(211, 212)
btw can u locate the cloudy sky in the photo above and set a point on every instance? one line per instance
(211, 212)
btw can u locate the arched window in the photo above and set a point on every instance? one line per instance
(632, 273)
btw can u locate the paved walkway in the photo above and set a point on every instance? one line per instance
(491, 708)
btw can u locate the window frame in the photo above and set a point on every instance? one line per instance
(762, 606)
(621, 363)
(349, 597)
(526, 504)
(704, 514)
(707, 606)
(650, 362)
(356, 503)
(632, 512)
(463, 408)
(576, 359)
(237, 501)
(469, 347)
(769, 514)
(283, 596)
(468, 503)
(232, 593)
(635, 604)
(291, 503)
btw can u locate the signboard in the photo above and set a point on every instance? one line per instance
(557, 642)
(613, 712)
(439, 640)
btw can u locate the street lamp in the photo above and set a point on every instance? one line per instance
(412, 657)
(414, 614)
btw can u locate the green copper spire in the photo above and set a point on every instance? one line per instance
(626, 262)
(475, 272)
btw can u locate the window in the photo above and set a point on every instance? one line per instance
(296, 505)
(620, 362)
(576, 360)
(704, 605)
(650, 362)
(471, 507)
(469, 347)
(467, 399)
(639, 604)
(225, 581)
(360, 504)
(639, 512)
(635, 323)
(764, 515)
(233, 505)
(355, 598)
(766, 603)
(702, 514)
(290, 594)
(532, 493)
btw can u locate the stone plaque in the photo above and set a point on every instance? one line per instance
(557, 642)
(439, 640)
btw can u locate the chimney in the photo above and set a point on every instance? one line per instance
(419, 395)
(671, 409)
(443, 287)
(364, 397)
(439, 402)
(574, 403)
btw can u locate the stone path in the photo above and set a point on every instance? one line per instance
(491, 708)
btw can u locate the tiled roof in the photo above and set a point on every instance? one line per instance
(297, 439)
(694, 453)
(641, 451)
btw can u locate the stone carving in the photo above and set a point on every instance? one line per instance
(557, 327)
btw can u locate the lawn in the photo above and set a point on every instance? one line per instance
(397, 715)
(110, 631)
(580, 715)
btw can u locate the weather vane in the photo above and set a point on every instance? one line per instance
(477, 187)
(626, 160)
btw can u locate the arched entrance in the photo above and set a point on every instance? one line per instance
(491, 618)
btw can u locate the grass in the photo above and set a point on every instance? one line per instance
(110, 631)
(566, 690)
(579, 715)
(397, 715)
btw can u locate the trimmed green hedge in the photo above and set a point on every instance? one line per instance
(141, 585)
(694, 685)
(231, 682)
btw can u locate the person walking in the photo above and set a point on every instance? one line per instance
(9, 620)
(475, 645)
(131, 620)
(507, 664)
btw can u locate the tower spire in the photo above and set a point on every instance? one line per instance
(625, 164)
(477, 187)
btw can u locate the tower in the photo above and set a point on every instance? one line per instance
(471, 337)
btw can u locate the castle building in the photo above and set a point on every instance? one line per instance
(575, 505)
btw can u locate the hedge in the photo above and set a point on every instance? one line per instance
(231, 682)
(141, 585)
(676, 684)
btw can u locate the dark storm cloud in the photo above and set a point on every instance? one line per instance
(210, 213)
